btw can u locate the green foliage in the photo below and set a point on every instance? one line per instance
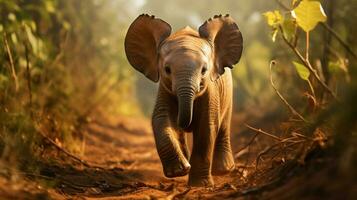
(321, 59)
(305, 15)
(289, 28)
(18, 140)
(68, 58)
(308, 13)
(303, 72)
(274, 19)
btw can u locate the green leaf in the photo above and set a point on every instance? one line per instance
(308, 14)
(50, 6)
(9, 5)
(273, 18)
(3, 81)
(32, 24)
(3, 78)
(337, 66)
(13, 38)
(11, 17)
(303, 72)
(334, 67)
(289, 28)
(32, 39)
(1, 28)
(66, 25)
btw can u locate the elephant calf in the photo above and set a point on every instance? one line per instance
(195, 95)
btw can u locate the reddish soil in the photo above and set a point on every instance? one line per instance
(127, 145)
(125, 165)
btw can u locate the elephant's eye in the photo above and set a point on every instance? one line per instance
(167, 70)
(204, 70)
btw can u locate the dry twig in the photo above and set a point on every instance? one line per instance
(63, 150)
(12, 66)
(263, 132)
(284, 143)
(246, 146)
(292, 109)
(85, 163)
(288, 167)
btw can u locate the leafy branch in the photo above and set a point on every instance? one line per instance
(324, 25)
(306, 15)
(307, 64)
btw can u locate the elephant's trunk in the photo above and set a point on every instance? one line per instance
(185, 106)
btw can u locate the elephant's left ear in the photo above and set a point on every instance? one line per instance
(223, 33)
(142, 43)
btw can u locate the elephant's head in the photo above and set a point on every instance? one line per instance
(186, 61)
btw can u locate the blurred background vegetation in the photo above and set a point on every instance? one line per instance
(63, 64)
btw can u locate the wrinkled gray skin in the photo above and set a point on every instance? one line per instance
(195, 92)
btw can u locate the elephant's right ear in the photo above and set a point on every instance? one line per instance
(223, 33)
(142, 43)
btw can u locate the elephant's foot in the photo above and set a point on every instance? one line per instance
(200, 181)
(223, 163)
(176, 168)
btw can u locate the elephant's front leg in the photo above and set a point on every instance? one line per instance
(168, 147)
(201, 157)
(223, 161)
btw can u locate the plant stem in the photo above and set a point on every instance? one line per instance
(311, 88)
(308, 65)
(292, 109)
(307, 45)
(12, 66)
(307, 58)
(28, 73)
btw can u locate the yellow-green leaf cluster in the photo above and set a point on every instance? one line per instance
(276, 20)
(308, 14)
(273, 18)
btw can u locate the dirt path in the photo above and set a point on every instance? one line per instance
(131, 168)
(127, 145)
(126, 166)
